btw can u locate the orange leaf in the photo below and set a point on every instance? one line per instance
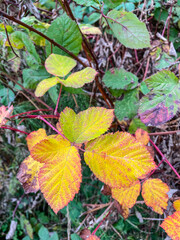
(34, 137)
(176, 205)
(172, 226)
(5, 114)
(93, 237)
(142, 136)
(124, 211)
(28, 174)
(127, 196)
(154, 192)
(118, 159)
(60, 177)
(86, 125)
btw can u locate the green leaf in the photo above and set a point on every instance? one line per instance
(32, 77)
(45, 85)
(59, 65)
(43, 233)
(135, 124)
(113, 3)
(88, 3)
(120, 79)
(19, 40)
(25, 224)
(64, 31)
(75, 237)
(165, 61)
(127, 108)
(53, 93)
(144, 89)
(127, 28)
(163, 101)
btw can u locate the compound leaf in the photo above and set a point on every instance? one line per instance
(127, 28)
(59, 65)
(64, 31)
(86, 125)
(163, 101)
(172, 225)
(28, 175)
(120, 79)
(78, 79)
(45, 85)
(127, 196)
(60, 176)
(118, 159)
(154, 192)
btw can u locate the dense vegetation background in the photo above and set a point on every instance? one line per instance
(22, 56)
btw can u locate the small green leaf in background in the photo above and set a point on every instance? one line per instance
(43, 233)
(128, 29)
(144, 89)
(127, 108)
(26, 226)
(135, 124)
(120, 79)
(163, 101)
(32, 77)
(75, 237)
(64, 31)
(88, 3)
(113, 3)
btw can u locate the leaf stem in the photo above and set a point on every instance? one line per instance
(164, 158)
(55, 112)
(33, 111)
(14, 129)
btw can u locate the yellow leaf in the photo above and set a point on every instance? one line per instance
(28, 174)
(85, 125)
(78, 79)
(154, 192)
(4, 114)
(176, 205)
(142, 136)
(171, 225)
(127, 196)
(89, 29)
(60, 177)
(118, 159)
(35, 137)
(59, 65)
(45, 85)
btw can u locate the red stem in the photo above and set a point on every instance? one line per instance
(136, 56)
(44, 116)
(164, 133)
(14, 129)
(164, 158)
(55, 112)
(33, 111)
(98, 226)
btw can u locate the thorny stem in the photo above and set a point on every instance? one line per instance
(55, 112)
(42, 35)
(14, 129)
(36, 116)
(164, 158)
(33, 111)
(164, 133)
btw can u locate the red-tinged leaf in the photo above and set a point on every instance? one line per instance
(60, 177)
(86, 125)
(124, 211)
(78, 79)
(59, 65)
(4, 114)
(154, 192)
(176, 205)
(118, 159)
(28, 175)
(142, 136)
(172, 226)
(45, 85)
(127, 196)
(34, 137)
